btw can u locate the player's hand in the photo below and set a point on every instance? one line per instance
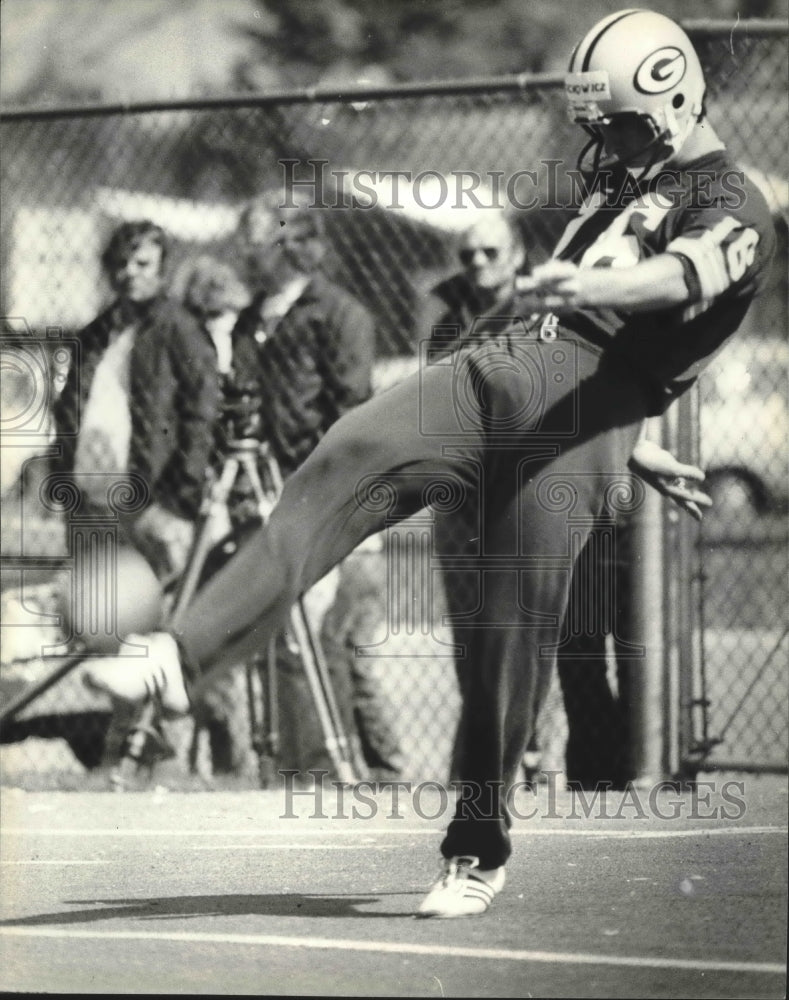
(551, 287)
(670, 477)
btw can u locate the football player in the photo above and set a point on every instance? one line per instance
(537, 422)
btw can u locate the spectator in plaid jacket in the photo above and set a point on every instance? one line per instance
(141, 399)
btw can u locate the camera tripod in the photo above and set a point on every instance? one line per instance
(250, 456)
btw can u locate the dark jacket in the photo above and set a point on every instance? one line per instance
(315, 365)
(174, 395)
(456, 314)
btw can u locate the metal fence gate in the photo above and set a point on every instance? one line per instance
(398, 172)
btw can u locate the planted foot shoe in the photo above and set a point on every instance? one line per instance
(136, 678)
(464, 889)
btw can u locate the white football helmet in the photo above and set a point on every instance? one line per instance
(637, 64)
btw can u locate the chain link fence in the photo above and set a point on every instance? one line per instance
(394, 177)
(736, 698)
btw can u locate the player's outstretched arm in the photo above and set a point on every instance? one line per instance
(560, 286)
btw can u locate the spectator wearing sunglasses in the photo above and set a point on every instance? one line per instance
(473, 301)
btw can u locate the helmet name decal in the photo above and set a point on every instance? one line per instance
(661, 70)
(591, 86)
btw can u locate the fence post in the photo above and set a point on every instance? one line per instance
(686, 618)
(647, 679)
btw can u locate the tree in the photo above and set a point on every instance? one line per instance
(56, 52)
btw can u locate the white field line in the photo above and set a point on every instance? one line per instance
(398, 948)
(288, 847)
(66, 861)
(363, 832)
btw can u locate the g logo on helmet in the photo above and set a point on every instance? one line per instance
(661, 70)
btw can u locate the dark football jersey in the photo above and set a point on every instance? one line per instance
(711, 215)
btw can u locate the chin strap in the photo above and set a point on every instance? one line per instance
(660, 157)
(595, 146)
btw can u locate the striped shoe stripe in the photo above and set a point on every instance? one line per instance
(582, 55)
(477, 887)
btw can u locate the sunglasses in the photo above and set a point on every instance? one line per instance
(294, 239)
(467, 255)
(282, 240)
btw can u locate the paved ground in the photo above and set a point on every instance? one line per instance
(252, 893)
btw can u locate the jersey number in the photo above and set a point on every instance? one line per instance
(618, 246)
(741, 252)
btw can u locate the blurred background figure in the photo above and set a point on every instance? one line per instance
(303, 349)
(141, 399)
(139, 403)
(491, 254)
(215, 294)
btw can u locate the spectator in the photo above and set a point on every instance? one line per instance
(476, 299)
(140, 399)
(215, 295)
(308, 347)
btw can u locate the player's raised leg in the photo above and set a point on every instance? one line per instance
(374, 466)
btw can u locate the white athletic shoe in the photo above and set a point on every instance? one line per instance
(464, 889)
(134, 679)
